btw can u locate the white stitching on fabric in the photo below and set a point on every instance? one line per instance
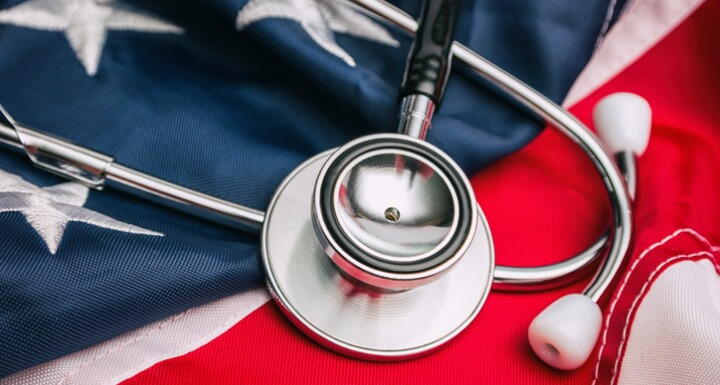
(155, 359)
(106, 352)
(639, 295)
(626, 279)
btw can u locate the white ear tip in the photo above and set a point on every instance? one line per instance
(564, 334)
(623, 121)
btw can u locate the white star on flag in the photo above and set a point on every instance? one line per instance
(49, 209)
(319, 18)
(85, 23)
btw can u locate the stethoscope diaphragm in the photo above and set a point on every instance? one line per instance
(354, 305)
(394, 211)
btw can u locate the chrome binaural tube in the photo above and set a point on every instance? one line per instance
(621, 229)
(184, 199)
(66, 159)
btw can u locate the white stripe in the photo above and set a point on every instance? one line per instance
(627, 275)
(122, 357)
(642, 25)
(675, 338)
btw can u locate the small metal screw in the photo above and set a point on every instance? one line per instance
(392, 214)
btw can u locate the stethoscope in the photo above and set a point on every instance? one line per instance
(378, 249)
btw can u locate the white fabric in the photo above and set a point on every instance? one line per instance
(120, 358)
(643, 24)
(178, 336)
(675, 337)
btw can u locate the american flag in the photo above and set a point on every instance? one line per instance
(227, 97)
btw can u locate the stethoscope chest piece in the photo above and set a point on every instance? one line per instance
(378, 249)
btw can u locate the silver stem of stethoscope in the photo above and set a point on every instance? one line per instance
(416, 112)
(627, 163)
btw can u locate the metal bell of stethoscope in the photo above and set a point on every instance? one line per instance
(378, 249)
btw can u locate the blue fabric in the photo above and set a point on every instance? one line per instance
(228, 113)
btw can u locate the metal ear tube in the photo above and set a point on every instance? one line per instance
(378, 249)
(63, 158)
(557, 352)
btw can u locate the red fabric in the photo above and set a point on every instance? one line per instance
(542, 204)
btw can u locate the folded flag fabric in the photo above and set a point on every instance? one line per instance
(228, 98)
(661, 321)
(225, 97)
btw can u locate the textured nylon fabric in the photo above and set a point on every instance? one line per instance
(624, 317)
(675, 336)
(228, 113)
(116, 359)
(542, 204)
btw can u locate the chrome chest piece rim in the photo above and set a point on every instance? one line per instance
(408, 174)
(368, 215)
(356, 319)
